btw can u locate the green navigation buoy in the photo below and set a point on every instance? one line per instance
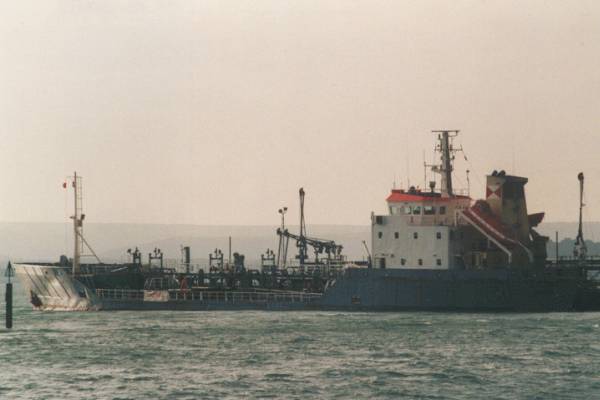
(10, 272)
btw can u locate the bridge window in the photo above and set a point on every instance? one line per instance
(438, 235)
(402, 261)
(483, 244)
(416, 210)
(396, 235)
(439, 261)
(442, 210)
(420, 261)
(379, 235)
(416, 235)
(429, 210)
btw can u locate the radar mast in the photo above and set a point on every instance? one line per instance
(447, 150)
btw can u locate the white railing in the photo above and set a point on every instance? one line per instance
(215, 296)
(120, 294)
(244, 297)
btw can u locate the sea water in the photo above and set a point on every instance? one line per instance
(298, 355)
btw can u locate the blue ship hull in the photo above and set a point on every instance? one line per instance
(448, 290)
(355, 289)
(415, 290)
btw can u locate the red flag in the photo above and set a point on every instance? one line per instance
(64, 185)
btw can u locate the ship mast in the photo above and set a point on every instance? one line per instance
(78, 217)
(281, 249)
(447, 155)
(302, 248)
(77, 224)
(580, 250)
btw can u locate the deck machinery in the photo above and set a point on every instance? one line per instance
(327, 254)
(279, 283)
(433, 250)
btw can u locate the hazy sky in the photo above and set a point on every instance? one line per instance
(216, 112)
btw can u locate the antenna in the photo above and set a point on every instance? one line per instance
(424, 170)
(447, 150)
(407, 168)
(514, 168)
(229, 258)
(433, 167)
(468, 183)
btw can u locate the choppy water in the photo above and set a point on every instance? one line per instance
(302, 355)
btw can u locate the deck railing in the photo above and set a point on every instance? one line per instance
(120, 294)
(244, 297)
(239, 297)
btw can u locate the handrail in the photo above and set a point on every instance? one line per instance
(125, 294)
(212, 296)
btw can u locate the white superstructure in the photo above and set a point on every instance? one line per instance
(419, 231)
(444, 230)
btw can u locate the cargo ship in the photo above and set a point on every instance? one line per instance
(434, 250)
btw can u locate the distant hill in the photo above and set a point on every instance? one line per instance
(46, 241)
(565, 248)
(591, 230)
(567, 232)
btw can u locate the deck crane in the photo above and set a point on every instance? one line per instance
(332, 250)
